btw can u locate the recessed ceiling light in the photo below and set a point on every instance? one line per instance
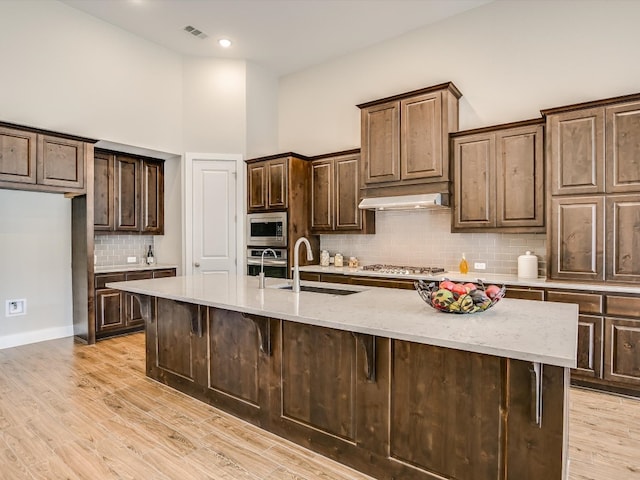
(224, 42)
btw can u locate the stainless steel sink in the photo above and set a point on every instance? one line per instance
(325, 290)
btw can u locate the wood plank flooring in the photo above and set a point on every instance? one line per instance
(71, 411)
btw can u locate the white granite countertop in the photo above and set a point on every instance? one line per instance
(487, 278)
(543, 332)
(131, 267)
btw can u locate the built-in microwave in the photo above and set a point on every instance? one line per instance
(267, 229)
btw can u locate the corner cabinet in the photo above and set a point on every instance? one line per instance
(594, 160)
(128, 194)
(498, 178)
(42, 161)
(119, 312)
(405, 140)
(335, 195)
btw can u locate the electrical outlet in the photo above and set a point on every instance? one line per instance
(479, 266)
(132, 260)
(16, 307)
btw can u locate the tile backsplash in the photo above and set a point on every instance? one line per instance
(424, 238)
(113, 250)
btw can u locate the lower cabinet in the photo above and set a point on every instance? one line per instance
(389, 408)
(118, 312)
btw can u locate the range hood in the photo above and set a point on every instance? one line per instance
(405, 202)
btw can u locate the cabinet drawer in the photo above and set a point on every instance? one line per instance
(139, 275)
(587, 302)
(525, 293)
(310, 276)
(169, 272)
(383, 282)
(102, 279)
(335, 278)
(623, 306)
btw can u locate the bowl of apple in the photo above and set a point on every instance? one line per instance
(450, 297)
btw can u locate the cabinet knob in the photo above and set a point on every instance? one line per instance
(196, 265)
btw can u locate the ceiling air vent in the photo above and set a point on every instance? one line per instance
(195, 32)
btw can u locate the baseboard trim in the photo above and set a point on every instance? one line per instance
(35, 336)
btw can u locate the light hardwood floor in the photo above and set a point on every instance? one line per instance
(70, 411)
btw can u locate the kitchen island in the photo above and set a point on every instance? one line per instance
(376, 379)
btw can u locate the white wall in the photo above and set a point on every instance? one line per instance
(262, 112)
(35, 264)
(66, 71)
(509, 58)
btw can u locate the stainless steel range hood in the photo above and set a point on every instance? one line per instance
(405, 202)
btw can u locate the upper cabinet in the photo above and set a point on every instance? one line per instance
(335, 194)
(128, 194)
(594, 161)
(268, 189)
(42, 161)
(405, 140)
(498, 178)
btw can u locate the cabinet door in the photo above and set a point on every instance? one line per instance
(590, 344)
(109, 315)
(103, 200)
(474, 180)
(152, 204)
(525, 293)
(277, 193)
(257, 180)
(577, 239)
(347, 195)
(133, 317)
(623, 238)
(576, 149)
(622, 350)
(127, 193)
(17, 156)
(322, 195)
(60, 162)
(520, 177)
(623, 148)
(421, 137)
(380, 143)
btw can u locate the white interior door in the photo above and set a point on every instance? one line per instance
(214, 217)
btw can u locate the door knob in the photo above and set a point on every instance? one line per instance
(196, 264)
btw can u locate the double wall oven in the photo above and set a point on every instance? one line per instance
(267, 230)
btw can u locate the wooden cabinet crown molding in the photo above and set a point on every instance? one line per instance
(421, 91)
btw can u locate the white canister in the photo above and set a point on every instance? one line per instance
(528, 265)
(324, 258)
(338, 260)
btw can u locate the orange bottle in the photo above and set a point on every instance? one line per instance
(464, 266)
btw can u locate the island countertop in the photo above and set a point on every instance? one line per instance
(544, 332)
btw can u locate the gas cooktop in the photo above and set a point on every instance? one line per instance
(403, 269)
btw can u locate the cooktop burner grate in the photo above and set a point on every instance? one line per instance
(403, 269)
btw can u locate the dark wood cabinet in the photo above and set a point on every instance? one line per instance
(118, 312)
(622, 147)
(389, 408)
(335, 195)
(128, 194)
(525, 293)
(590, 345)
(577, 238)
(268, 185)
(623, 238)
(42, 161)
(405, 140)
(595, 148)
(498, 178)
(576, 151)
(17, 155)
(622, 350)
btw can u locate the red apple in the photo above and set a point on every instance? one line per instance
(447, 285)
(470, 286)
(491, 291)
(459, 288)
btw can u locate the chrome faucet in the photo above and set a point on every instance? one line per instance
(261, 274)
(296, 262)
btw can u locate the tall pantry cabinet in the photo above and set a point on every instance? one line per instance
(593, 152)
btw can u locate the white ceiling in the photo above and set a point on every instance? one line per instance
(282, 35)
